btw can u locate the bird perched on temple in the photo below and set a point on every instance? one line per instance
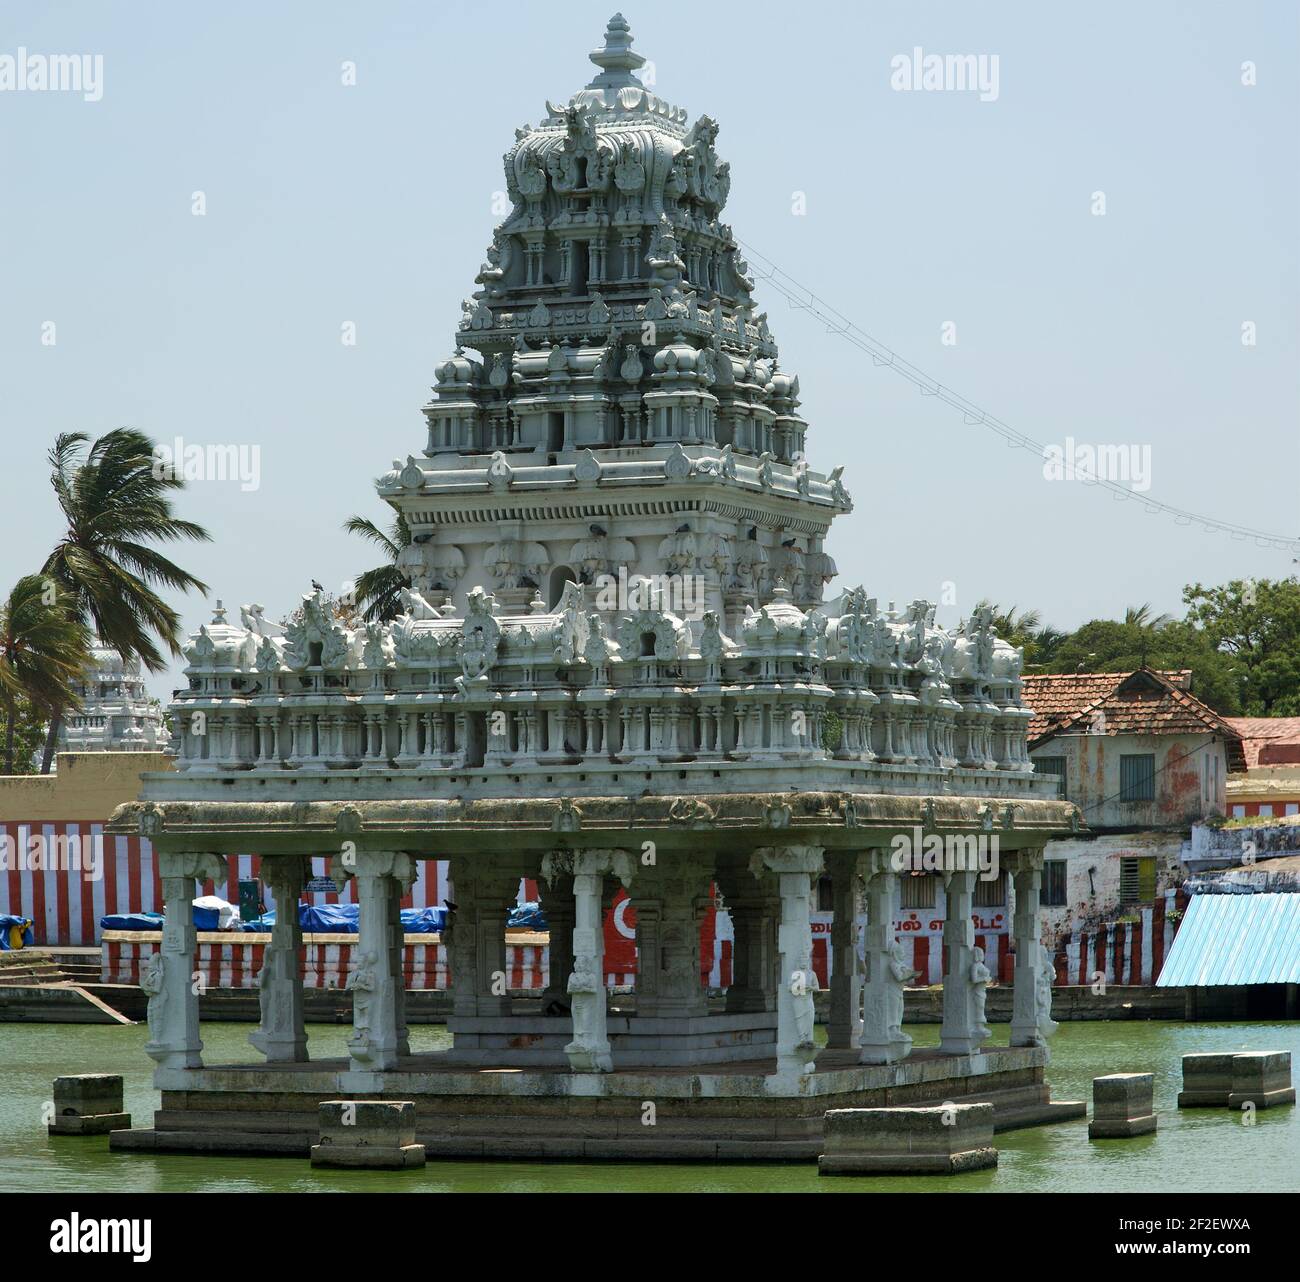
(787, 543)
(319, 587)
(598, 530)
(450, 907)
(684, 528)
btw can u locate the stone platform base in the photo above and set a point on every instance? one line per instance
(743, 1112)
(96, 1124)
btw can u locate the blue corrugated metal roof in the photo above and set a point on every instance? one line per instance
(1235, 939)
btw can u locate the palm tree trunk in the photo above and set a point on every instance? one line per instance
(11, 717)
(51, 740)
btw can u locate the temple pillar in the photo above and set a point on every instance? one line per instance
(887, 974)
(753, 953)
(169, 978)
(589, 1051)
(795, 868)
(670, 905)
(960, 1034)
(845, 1028)
(486, 887)
(558, 908)
(376, 981)
(280, 1034)
(1026, 930)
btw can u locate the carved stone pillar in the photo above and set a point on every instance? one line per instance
(795, 867)
(376, 981)
(558, 908)
(670, 904)
(753, 952)
(589, 1051)
(485, 892)
(1026, 928)
(887, 974)
(280, 1035)
(845, 1028)
(169, 977)
(960, 1034)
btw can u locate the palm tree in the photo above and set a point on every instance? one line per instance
(1014, 626)
(1140, 616)
(44, 650)
(377, 590)
(116, 501)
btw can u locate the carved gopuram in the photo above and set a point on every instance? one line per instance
(617, 665)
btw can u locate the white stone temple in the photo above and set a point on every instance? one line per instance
(618, 663)
(117, 713)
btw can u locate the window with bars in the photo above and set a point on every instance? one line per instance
(1052, 766)
(1137, 879)
(991, 894)
(1137, 776)
(825, 895)
(916, 891)
(1053, 888)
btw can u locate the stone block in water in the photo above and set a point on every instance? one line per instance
(367, 1133)
(940, 1140)
(1261, 1078)
(1123, 1105)
(88, 1104)
(1207, 1080)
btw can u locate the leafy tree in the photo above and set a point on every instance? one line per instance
(117, 502)
(44, 650)
(1104, 645)
(377, 590)
(1256, 624)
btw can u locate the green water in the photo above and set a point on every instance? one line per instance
(1202, 1150)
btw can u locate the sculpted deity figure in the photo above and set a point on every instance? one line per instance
(362, 985)
(587, 988)
(151, 983)
(980, 976)
(1043, 992)
(899, 974)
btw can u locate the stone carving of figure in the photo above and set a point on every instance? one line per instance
(979, 976)
(1043, 992)
(151, 982)
(587, 988)
(898, 975)
(804, 1017)
(362, 985)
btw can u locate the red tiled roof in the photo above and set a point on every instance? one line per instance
(1141, 702)
(1057, 698)
(1268, 740)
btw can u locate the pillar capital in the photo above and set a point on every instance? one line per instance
(788, 859)
(1018, 861)
(196, 865)
(360, 864)
(590, 863)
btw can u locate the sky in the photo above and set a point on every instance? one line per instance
(925, 215)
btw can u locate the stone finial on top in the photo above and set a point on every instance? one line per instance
(616, 60)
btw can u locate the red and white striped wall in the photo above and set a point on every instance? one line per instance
(1123, 952)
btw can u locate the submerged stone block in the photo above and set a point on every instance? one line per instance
(942, 1140)
(88, 1104)
(1123, 1105)
(1261, 1078)
(367, 1133)
(1207, 1080)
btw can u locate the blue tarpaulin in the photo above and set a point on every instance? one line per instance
(325, 919)
(342, 919)
(527, 915)
(132, 921)
(15, 932)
